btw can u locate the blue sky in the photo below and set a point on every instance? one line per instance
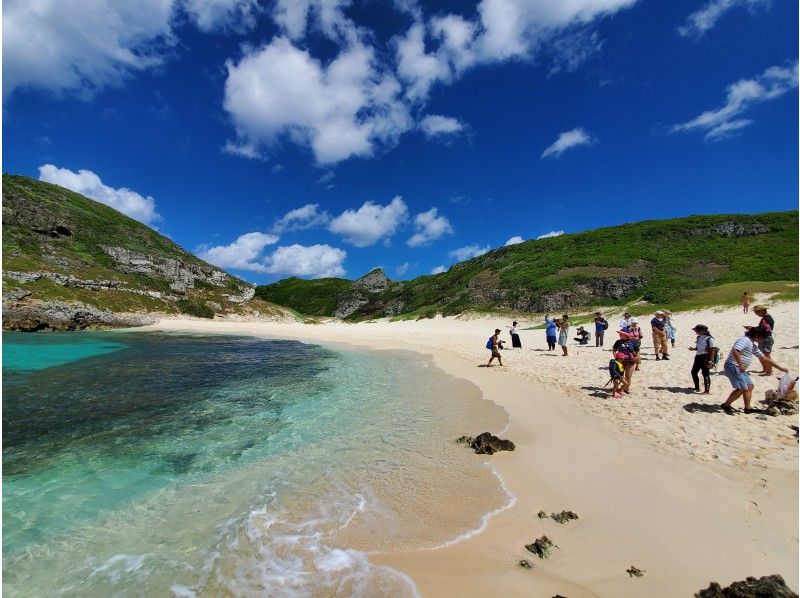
(326, 137)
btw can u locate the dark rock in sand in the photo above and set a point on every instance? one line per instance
(542, 515)
(782, 407)
(771, 586)
(634, 571)
(488, 444)
(541, 547)
(525, 564)
(464, 440)
(563, 516)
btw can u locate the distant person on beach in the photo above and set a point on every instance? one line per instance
(515, 342)
(767, 322)
(625, 322)
(495, 344)
(672, 334)
(583, 336)
(600, 327)
(658, 325)
(742, 353)
(551, 331)
(745, 302)
(706, 348)
(563, 333)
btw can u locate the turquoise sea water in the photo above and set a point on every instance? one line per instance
(157, 464)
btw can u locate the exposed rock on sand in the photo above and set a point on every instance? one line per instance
(525, 564)
(488, 444)
(633, 571)
(771, 586)
(563, 516)
(541, 547)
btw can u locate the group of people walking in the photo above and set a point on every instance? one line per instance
(757, 342)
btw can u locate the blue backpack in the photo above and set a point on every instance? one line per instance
(615, 369)
(489, 342)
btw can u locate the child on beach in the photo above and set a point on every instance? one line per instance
(551, 328)
(742, 353)
(563, 333)
(616, 370)
(745, 302)
(495, 344)
(706, 349)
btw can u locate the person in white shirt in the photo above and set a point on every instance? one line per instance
(625, 322)
(742, 353)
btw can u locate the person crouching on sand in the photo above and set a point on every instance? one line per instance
(706, 348)
(497, 344)
(563, 333)
(742, 353)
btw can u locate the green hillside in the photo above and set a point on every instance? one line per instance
(659, 261)
(59, 246)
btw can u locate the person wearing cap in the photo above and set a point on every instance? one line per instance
(706, 348)
(600, 326)
(742, 353)
(767, 322)
(497, 344)
(625, 322)
(660, 346)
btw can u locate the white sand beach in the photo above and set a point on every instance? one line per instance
(661, 479)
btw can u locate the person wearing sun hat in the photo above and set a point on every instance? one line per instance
(660, 345)
(706, 348)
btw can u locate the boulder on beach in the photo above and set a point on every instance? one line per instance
(771, 586)
(541, 547)
(633, 571)
(488, 444)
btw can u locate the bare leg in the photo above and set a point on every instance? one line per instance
(733, 396)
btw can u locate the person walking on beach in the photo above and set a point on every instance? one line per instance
(495, 345)
(745, 302)
(600, 326)
(515, 342)
(706, 348)
(551, 331)
(660, 347)
(563, 333)
(767, 322)
(742, 353)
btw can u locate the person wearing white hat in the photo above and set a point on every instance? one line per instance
(660, 346)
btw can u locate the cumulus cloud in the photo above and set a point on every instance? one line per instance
(245, 253)
(704, 19)
(402, 268)
(514, 241)
(552, 233)
(567, 140)
(370, 223)
(574, 49)
(346, 108)
(429, 226)
(89, 184)
(315, 261)
(209, 15)
(439, 270)
(302, 218)
(435, 125)
(726, 121)
(468, 252)
(295, 17)
(81, 45)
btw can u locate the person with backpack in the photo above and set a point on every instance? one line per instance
(551, 330)
(600, 327)
(742, 353)
(495, 344)
(625, 353)
(616, 370)
(707, 354)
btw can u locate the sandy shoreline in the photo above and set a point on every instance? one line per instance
(686, 494)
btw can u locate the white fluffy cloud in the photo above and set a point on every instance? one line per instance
(343, 109)
(302, 218)
(552, 233)
(439, 270)
(567, 140)
(315, 261)
(245, 253)
(435, 125)
(704, 19)
(212, 14)
(295, 17)
(726, 120)
(89, 184)
(370, 223)
(514, 241)
(468, 252)
(429, 226)
(81, 45)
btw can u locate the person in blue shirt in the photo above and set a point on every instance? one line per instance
(551, 331)
(600, 326)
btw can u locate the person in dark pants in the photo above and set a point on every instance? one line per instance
(515, 342)
(551, 330)
(706, 348)
(600, 327)
(767, 323)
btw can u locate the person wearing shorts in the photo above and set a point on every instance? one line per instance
(739, 359)
(496, 345)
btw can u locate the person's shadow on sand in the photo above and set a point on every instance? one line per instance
(597, 392)
(703, 407)
(674, 389)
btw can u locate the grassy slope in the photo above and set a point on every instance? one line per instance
(676, 260)
(310, 297)
(92, 224)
